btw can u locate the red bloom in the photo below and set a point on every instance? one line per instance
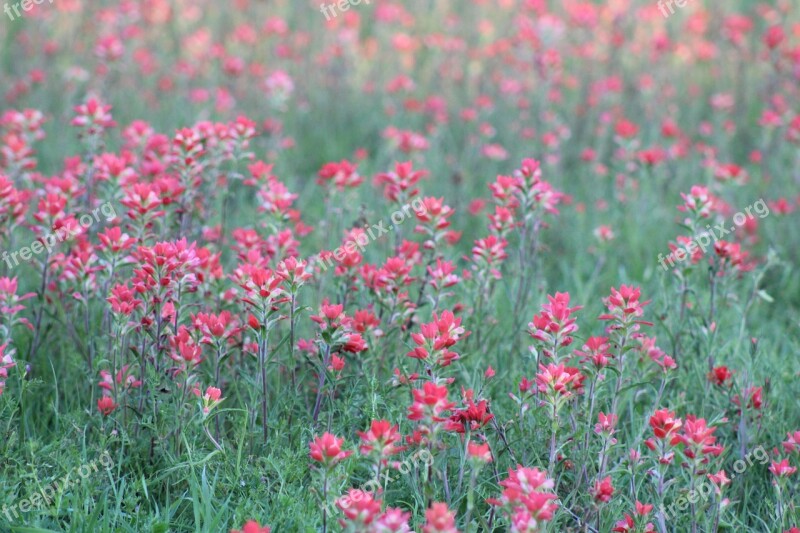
(430, 402)
(753, 396)
(399, 185)
(489, 253)
(792, 442)
(624, 308)
(606, 425)
(442, 277)
(479, 452)
(665, 424)
(434, 214)
(365, 321)
(782, 468)
(293, 271)
(337, 329)
(93, 116)
(628, 524)
(652, 156)
(436, 338)
(732, 254)
(327, 450)
(343, 174)
(406, 141)
(215, 328)
(123, 300)
(698, 202)
(360, 510)
(439, 519)
(558, 381)
(698, 439)
(773, 37)
(720, 375)
(474, 417)
(554, 326)
(106, 405)
(394, 520)
(354, 343)
(124, 379)
(381, 438)
(114, 240)
(251, 526)
(603, 490)
(596, 351)
(526, 498)
(720, 479)
(626, 129)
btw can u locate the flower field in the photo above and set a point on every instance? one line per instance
(379, 266)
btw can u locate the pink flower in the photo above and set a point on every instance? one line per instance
(215, 328)
(400, 184)
(473, 417)
(558, 381)
(343, 174)
(782, 469)
(554, 326)
(211, 398)
(251, 526)
(792, 442)
(430, 403)
(327, 450)
(698, 439)
(106, 405)
(605, 425)
(93, 116)
(479, 452)
(360, 510)
(381, 439)
(665, 424)
(624, 308)
(603, 490)
(720, 480)
(439, 519)
(596, 351)
(436, 338)
(526, 497)
(393, 521)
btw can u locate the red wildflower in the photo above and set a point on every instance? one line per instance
(554, 326)
(603, 490)
(782, 468)
(343, 174)
(251, 526)
(430, 403)
(436, 338)
(665, 424)
(327, 450)
(439, 519)
(360, 510)
(720, 376)
(381, 438)
(399, 185)
(106, 405)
